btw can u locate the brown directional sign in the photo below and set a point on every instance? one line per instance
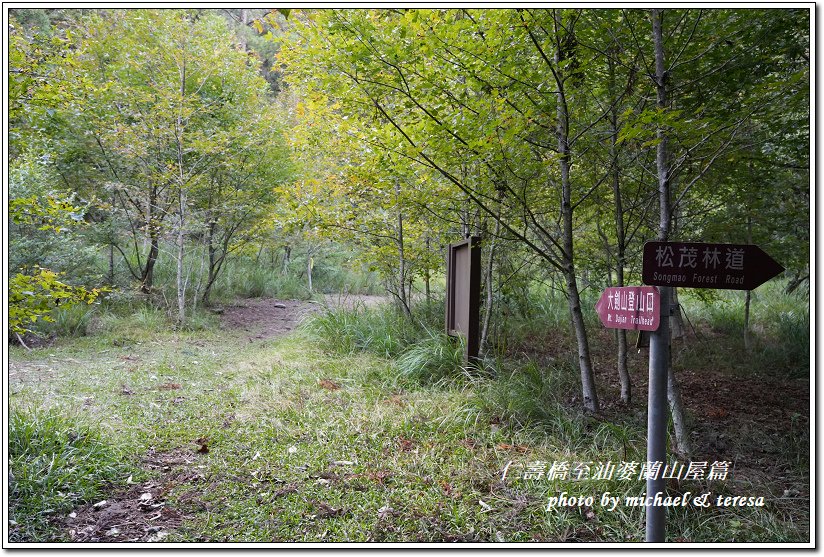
(700, 265)
(630, 307)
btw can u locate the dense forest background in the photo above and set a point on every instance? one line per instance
(175, 156)
(165, 163)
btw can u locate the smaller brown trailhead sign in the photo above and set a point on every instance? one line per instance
(701, 265)
(635, 308)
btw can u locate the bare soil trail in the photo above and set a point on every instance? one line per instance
(265, 318)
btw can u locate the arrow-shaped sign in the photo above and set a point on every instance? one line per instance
(630, 307)
(700, 265)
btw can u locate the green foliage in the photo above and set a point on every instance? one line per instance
(382, 330)
(47, 222)
(428, 452)
(44, 247)
(55, 463)
(779, 330)
(33, 297)
(72, 321)
(527, 395)
(437, 359)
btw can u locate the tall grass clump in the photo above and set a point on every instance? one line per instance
(434, 359)
(143, 318)
(381, 330)
(55, 463)
(72, 321)
(527, 395)
(790, 352)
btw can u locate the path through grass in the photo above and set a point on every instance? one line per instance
(267, 440)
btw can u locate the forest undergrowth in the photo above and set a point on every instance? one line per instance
(363, 425)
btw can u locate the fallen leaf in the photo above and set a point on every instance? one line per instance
(113, 532)
(385, 511)
(327, 510)
(145, 496)
(395, 399)
(126, 390)
(486, 507)
(330, 385)
(449, 490)
(379, 476)
(292, 450)
(343, 463)
(468, 443)
(407, 445)
(157, 537)
(717, 413)
(100, 504)
(285, 491)
(169, 386)
(203, 442)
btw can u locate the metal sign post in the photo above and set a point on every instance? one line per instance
(646, 308)
(657, 415)
(690, 265)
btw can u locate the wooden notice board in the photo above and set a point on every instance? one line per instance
(463, 293)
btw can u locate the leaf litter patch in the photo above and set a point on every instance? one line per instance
(141, 513)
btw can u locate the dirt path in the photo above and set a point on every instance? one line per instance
(266, 318)
(140, 513)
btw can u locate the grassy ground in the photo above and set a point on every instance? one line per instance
(296, 439)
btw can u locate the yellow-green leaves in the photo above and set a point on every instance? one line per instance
(33, 297)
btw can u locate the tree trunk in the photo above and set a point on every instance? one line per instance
(111, 242)
(747, 342)
(148, 272)
(665, 217)
(310, 264)
(426, 276)
(489, 289)
(677, 328)
(402, 297)
(287, 257)
(181, 196)
(210, 249)
(181, 286)
(244, 18)
(147, 278)
(111, 264)
(623, 371)
(588, 389)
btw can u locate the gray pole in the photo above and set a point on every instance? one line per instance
(657, 415)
